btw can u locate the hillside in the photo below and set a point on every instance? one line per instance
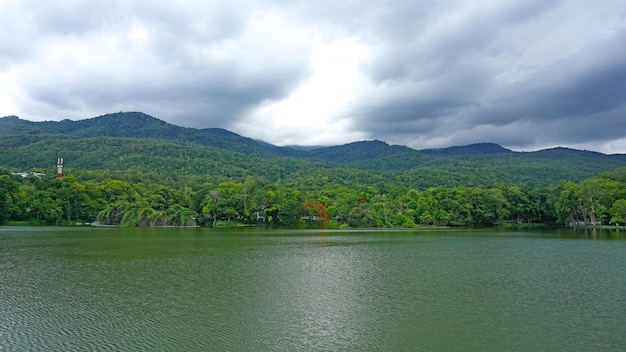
(139, 146)
(358, 151)
(478, 148)
(138, 125)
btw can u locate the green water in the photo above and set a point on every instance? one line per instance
(110, 289)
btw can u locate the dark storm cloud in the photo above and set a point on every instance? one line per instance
(428, 38)
(432, 65)
(580, 98)
(443, 83)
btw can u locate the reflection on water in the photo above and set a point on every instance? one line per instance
(592, 233)
(285, 290)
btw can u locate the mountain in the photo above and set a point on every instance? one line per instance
(139, 125)
(129, 144)
(478, 148)
(358, 151)
(560, 153)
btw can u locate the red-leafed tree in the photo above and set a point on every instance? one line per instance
(316, 210)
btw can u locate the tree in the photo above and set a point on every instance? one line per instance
(210, 207)
(316, 211)
(596, 196)
(618, 212)
(267, 202)
(139, 214)
(231, 201)
(381, 210)
(7, 206)
(289, 210)
(339, 200)
(45, 208)
(75, 201)
(116, 190)
(430, 212)
(488, 206)
(177, 215)
(454, 204)
(249, 187)
(568, 202)
(361, 216)
(112, 213)
(519, 205)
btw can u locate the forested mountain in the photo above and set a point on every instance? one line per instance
(135, 141)
(358, 151)
(138, 125)
(477, 148)
(131, 169)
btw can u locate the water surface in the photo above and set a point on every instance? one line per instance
(112, 289)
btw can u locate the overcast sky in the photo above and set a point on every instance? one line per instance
(527, 74)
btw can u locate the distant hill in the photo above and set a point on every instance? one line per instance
(135, 141)
(140, 125)
(358, 151)
(561, 153)
(478, 148)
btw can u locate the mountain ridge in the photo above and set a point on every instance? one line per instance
(134, 144)
(125, 124)
(140, 125)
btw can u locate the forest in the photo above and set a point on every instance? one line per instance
(308, 202)
(131, 169)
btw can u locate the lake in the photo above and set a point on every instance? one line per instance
(197, 289)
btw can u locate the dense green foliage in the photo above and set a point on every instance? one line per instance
(311, 202)
(134, 125)
(133, 170)
(136, 142)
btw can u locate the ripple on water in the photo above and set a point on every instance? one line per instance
(365, 292)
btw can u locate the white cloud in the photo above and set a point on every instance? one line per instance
(8, 93)
(314, 112)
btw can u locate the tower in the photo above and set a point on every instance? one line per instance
(59, 168)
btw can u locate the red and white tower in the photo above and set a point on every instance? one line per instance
(59, 168)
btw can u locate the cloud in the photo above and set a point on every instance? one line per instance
(473, 76)
(525, 74)
(578, 96)
(200, 70)
(311, 113)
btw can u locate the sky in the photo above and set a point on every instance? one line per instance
(526, 74)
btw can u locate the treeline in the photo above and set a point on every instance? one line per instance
(306, 201)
